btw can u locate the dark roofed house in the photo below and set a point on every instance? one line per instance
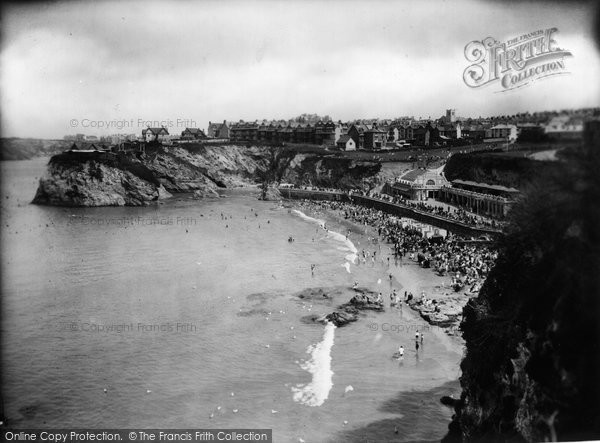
(244, 131)
(375, 138)
(193, 134)
(346, 143)
(357, 133)
(218, 130)
(154, 134)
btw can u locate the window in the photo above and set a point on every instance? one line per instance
(430, 182)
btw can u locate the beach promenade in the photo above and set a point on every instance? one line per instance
(451, 225)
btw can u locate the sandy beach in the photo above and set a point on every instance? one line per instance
(407, 275)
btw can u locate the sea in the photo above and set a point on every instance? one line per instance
(200, 314)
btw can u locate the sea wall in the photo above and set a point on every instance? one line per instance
(453, 226)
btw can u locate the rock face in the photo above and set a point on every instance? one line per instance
(93, 183)
(104, 179)
(532, 336)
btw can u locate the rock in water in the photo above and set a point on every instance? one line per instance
(342, 318)
(448, 401)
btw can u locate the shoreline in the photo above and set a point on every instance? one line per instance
(407, 274)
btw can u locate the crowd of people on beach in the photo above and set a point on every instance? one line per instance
(466, 264)
(455, 214)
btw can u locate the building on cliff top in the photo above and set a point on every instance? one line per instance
(192, 134)
(218, 130)
(155, 134)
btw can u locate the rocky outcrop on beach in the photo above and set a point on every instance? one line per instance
(362, 299)
(445, 312)
(134, 178)
(349, 312)
(532, 336)
(96, 183)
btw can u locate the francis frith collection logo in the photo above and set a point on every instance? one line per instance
(515, 63)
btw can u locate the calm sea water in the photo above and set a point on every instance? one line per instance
(187, 314)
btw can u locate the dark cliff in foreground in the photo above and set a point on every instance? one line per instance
(498, 168)
(532, 363)
(133, 179)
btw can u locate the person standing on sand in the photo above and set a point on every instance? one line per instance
(417, 338)
(401, 351)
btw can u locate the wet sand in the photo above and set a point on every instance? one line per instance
(407, 274)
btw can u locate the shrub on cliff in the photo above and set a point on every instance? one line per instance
(532, 336)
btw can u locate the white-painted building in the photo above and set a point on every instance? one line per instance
(506, 132)
(346, 143)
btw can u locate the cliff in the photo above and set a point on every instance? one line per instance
(530, 372)
(97, 180)
(101, 179)
(495, 168)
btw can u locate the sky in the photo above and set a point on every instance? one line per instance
(106, 67)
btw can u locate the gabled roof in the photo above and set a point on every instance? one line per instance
(344, 139)
(215, 126)
(194, 130)
(376, 130)
(361, 127)
(85, 146)
(155, 131)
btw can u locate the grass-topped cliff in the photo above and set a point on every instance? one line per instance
(495, 168)
(532, 360)
(96, 179)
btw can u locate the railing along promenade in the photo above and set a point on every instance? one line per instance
(451, 225)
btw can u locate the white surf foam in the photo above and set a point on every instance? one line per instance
(348, 245)
(317, 391)
(320, 222)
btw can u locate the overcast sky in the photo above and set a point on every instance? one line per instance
(201, 61)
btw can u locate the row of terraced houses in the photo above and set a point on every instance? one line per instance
(375, 134)
(347, 136)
